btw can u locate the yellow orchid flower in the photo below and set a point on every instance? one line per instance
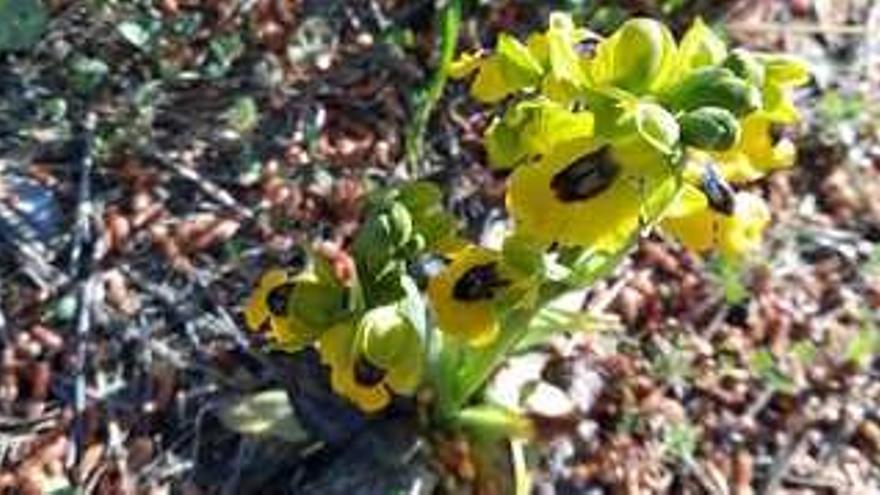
(587, 194)
(756, 154)
(732, 224)
(370, 362)
(464, 293)
(268, 310)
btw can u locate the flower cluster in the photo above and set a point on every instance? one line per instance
(606, 138)
(611, 135)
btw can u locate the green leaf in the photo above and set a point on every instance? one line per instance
(701, 46)
(22, 24)
(493, 422)
(658, 127)
(266, 413)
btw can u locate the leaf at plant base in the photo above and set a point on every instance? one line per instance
(658, 127)
(264, 413)
(701, 46)
(22, 24)
(493, 422)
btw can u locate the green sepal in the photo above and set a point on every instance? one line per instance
(700, 46)
(519, 67)
(710, 128)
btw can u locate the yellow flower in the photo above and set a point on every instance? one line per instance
(293, 307)
(369, 362)
(757, 153)
(464, 293)
(268, 310)
(731, 223)
(585, 194)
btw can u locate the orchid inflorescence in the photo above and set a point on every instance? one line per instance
(606, 139)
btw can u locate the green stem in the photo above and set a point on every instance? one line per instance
(450, 20)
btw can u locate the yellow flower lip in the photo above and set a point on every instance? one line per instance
(586, 177)
(479, 283)
(464, 293)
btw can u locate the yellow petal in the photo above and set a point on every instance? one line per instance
(465, 64)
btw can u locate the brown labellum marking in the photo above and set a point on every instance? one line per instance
(277, 298)
(479, 283)
(718, 191)
(586, 178)
(366, 373)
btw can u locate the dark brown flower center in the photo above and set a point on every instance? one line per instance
(366, 373)
(587, 177)
(479, 283)
(277, 298)
(718, 191)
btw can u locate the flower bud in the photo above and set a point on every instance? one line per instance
(716, 87)
(386, 336)
(637, 58)
(400, 223)
(710, 128)
(745, 66)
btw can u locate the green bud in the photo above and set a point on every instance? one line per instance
(742, 63)
(317, 304)
(386, 336)
(715, 87)
(710, 128)
(658, 127)
(639, 57)
(400, 224)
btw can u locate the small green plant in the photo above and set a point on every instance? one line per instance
(606, 139)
